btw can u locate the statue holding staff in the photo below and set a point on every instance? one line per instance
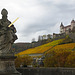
(7, 33)
(7, 38)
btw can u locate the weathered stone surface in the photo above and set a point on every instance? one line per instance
(7, 38)
(47, 71)
(9, 73)
(7, 34)
(7, 66)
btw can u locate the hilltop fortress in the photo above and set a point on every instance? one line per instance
(66, 30)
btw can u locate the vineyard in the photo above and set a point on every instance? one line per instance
(42, 48)
(61, 56)
(58, 53)
(64, 47)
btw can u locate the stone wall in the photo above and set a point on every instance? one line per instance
(72, 36)
(47, 71)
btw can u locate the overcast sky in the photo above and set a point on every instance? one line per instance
(38, 17)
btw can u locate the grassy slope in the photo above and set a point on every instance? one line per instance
(42, 48)
(46, 48)
(63, 47)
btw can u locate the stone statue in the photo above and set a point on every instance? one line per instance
(7, 34)
(7, 38)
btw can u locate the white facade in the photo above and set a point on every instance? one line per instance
(67, 28)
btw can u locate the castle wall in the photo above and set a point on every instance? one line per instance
(72, 36)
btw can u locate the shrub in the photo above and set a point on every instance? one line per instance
(25, 60)
(57, 59)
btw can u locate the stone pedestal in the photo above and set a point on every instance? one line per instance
(7, 66)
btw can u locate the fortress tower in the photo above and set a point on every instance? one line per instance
(72, 24)
(61, 28)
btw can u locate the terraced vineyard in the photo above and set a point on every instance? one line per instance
(63, 47)
(42, 48)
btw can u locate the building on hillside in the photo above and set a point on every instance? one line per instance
(67, 29)
(64, 30)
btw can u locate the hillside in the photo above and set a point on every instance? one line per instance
(63, 47)
(19, 47)
(61, 56)
(43, 48)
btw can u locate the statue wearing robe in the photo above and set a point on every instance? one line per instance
(7, 34)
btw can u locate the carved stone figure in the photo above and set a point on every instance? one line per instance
(7, 38)
(7, 34)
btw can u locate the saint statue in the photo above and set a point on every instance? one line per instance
(7, 34)
(7, 38)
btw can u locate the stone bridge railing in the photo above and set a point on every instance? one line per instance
(47, 71)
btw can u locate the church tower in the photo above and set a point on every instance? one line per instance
(61, 28)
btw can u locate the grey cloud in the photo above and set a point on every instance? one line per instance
(54, 13)
(38, 17)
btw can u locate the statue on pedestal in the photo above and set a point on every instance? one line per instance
(7, 34)
(7, 38)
